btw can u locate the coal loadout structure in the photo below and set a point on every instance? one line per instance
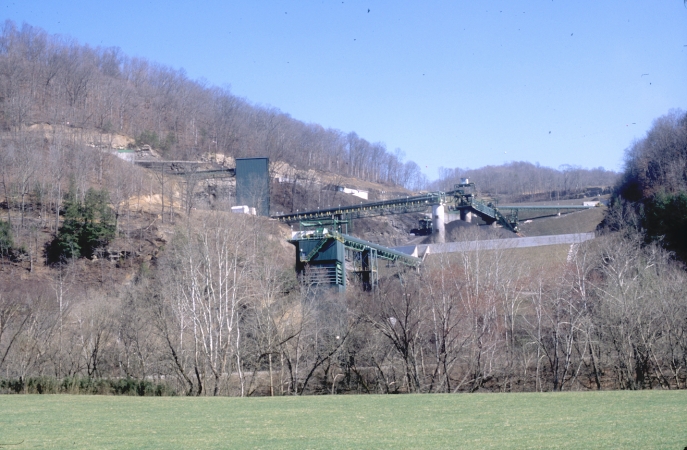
(321, 244)
(324, 250)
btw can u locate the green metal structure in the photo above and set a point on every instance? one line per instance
(460, 199)
(321, 257)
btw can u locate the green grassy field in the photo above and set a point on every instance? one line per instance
(645, 419)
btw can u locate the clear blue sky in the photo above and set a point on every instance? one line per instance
(450, 83)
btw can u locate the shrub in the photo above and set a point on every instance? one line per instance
(85, 385)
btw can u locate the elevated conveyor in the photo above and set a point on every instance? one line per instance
(419, 203)
(508, 215)
(455, 200)
(416, 203)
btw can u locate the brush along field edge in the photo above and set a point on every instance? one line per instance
(618, 419)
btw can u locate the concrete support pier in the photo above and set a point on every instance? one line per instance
(465, 215)
(438, 223)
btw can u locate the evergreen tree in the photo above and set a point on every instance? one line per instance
(87, 225)
(6, 242)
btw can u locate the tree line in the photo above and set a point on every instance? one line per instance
(55, 80)
(524, 181)
(220, 312)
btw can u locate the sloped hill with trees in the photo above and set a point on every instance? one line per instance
(55, 80)
(652, 193)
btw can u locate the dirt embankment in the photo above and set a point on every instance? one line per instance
(93, 138)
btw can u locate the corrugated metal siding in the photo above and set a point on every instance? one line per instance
(327, 266)
(253, 184)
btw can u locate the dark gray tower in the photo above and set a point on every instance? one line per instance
(253, 184)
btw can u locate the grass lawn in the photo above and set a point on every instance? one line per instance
(589, 420)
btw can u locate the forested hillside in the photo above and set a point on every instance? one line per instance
(652, 194)
(55, 80)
